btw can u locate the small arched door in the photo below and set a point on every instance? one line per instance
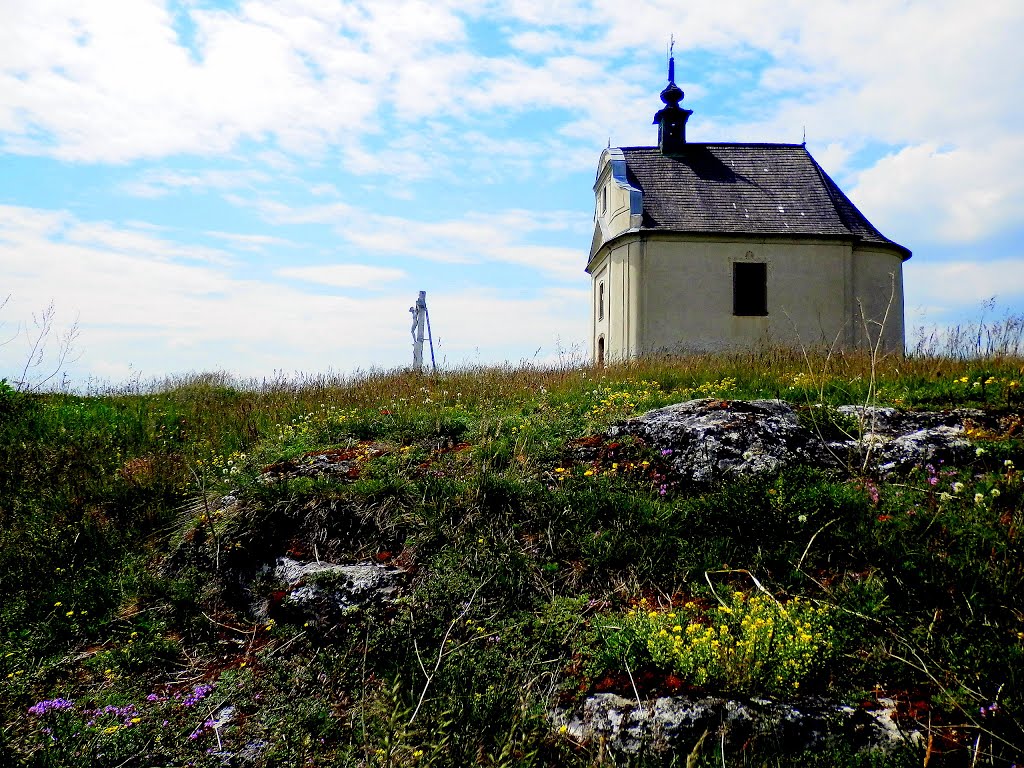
(600, 351)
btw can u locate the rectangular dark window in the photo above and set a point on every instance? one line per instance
(600, 301)
(749, 288)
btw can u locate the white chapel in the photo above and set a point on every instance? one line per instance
(705, 247)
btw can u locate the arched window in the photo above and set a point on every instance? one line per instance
(600, 351)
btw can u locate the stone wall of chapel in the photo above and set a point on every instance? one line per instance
(688, 293)
(615, 271)
(878, 284)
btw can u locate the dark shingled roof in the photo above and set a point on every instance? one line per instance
(761, 189)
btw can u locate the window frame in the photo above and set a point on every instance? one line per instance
(750, 288)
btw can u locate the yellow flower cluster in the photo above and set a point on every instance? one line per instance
(315, 423)
(711, 388)
(750, 642)
(614, 402)
(987, 381)
(223, 465)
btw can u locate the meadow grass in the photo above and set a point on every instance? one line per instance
(128, 636)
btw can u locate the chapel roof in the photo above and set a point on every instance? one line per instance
(756, 189)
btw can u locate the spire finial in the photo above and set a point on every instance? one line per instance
(671, 58)
(672, 119)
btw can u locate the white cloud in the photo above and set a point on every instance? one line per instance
(344, 275)
(250, 242)
(934, 194)
(159, 314)
(955, 285)
(25, 227)
(500, 237)
(161, 182)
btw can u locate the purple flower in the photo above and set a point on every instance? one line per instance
(42, 707)
(198, 694)
(666, 451)
(152, 697)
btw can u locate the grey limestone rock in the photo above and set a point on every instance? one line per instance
(319, 587)
(674, 723)
(709, 440)
(896, 441)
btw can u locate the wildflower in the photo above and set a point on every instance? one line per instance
(666, 451)
(1008, 463)
(980, 451)
(198, 694)
(42, 707)
(995, 492)
(979, 497)
(958, 487)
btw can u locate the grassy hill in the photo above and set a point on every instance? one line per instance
(536, 577)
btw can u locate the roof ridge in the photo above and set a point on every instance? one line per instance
(761, 144)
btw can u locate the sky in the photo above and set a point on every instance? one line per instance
(262, 187)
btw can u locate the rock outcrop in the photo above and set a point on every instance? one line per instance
(326, 590)
(674, 723)
(706, 441)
